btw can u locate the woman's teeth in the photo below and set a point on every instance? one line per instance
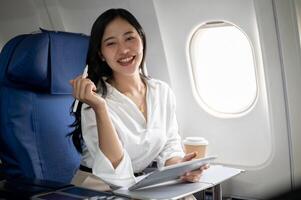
(126, 60)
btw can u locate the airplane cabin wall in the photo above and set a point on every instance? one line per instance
(288, 26)
(17, 17)
(259, 141)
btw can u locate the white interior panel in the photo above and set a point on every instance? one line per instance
(78, 15)
(17, 17)
(287, 24)
(248, 138)
(248, 141)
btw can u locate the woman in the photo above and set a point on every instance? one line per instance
(127, 120)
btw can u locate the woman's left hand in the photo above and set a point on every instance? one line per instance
(193, 176)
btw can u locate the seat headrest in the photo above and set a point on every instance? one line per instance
(44, 61)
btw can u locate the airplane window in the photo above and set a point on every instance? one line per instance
(223, 69)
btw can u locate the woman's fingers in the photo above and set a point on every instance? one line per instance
(194, 176)
(189, 156)
(204, 167)
(191, 176)
(88, 90)
(82, 88)
(194, 173)
(74, 83)
(78, 87)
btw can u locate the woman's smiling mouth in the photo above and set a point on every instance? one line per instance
(126, 61)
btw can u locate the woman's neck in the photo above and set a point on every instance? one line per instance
(128, 84)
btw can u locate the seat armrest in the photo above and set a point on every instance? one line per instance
(24, 188)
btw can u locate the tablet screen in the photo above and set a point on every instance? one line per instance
(171, 172)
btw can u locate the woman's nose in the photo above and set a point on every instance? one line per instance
(123, 48)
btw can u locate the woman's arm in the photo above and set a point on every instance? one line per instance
(120, 175)
(108, 141)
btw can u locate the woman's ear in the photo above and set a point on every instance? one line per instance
(101, 56)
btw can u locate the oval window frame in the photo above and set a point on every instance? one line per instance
(203, 104)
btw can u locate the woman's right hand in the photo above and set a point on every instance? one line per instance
(85, 91)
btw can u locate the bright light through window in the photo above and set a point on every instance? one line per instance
(223, 68)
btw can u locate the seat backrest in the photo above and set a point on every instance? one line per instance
(35, 100)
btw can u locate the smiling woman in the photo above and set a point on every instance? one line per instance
(126, 121)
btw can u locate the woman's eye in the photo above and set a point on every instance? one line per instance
(130, 38)
(110, 43)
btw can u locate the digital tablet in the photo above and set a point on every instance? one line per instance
(172, 172)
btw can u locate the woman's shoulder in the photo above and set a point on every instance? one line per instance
(158, 84)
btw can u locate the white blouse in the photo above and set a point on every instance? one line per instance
(143, 141)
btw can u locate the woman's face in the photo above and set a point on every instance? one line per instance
(122, 48)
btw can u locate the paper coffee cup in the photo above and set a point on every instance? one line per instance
(196, 144)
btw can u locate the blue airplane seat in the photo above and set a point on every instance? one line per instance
(35, 101)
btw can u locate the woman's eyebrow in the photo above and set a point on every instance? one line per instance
(109, 38)
(126, 33)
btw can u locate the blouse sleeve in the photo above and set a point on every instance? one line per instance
(123, 174)
(172, 147)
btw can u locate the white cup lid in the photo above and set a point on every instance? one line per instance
(195, 141)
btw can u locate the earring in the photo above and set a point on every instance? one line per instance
(101, 57)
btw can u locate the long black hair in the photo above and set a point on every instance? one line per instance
(99, 69)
